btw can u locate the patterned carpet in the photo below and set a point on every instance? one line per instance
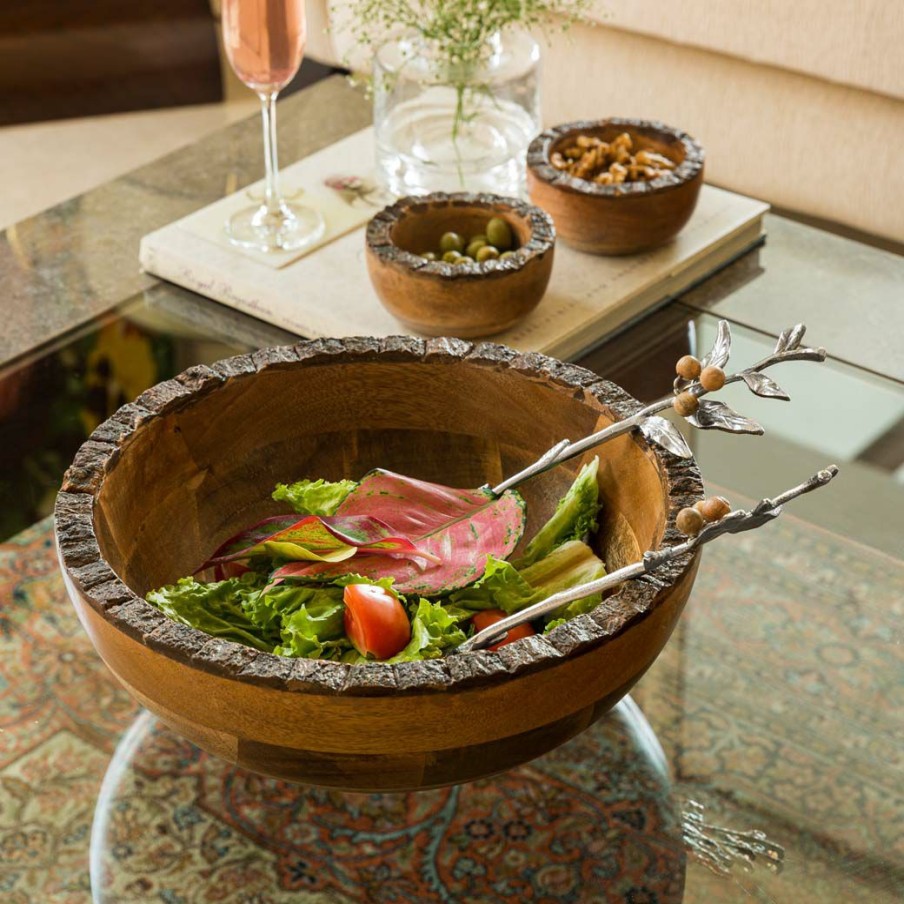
(774, 703)
(778, 704)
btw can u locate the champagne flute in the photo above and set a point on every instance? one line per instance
(265, 41)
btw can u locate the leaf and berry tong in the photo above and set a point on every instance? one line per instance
(695, 379)
(732, 523)
(710, 518)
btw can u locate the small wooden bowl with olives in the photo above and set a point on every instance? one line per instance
(615, 186)
(465, 265)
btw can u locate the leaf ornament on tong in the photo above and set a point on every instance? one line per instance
(665, 434)
(718, 356)
(790, 339)
(718, 416)
(766, 387)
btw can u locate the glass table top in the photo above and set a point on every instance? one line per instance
(758, 759)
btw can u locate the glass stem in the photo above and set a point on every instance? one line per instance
(272, 199)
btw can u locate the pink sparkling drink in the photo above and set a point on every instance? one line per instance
(264, 40)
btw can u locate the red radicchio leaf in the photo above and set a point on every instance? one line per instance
(244, 539)
(458, 527)
(371, 536)
(315, 538)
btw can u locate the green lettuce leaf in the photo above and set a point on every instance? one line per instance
(501, 587)
(434, 629)
(571, 563)
(219, 608)
(314, 497)
(565, 567)
(288, 620)
(313, 622)
(315, 629)
(505, 587)
(575, 517)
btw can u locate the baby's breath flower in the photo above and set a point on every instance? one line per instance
(459, 29)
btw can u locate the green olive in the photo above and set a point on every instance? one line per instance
(452, 256)
(506, 255)
(474, 246)
(487, 253)
(451, 241)
(499, 234)
(430, 256)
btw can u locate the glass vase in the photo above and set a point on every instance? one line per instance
(453, 126)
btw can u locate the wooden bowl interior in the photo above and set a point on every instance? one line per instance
(644, 139)
(188, 480)
(422, 228)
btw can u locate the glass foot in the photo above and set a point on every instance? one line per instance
(293, 227)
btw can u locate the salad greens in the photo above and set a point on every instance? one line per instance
(289, 620)
(453, 529)
(306, 619)
(574, 518)
(216, 608)
(314, 497)
(435, 628)
(505, 587)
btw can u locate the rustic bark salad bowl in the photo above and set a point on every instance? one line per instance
(193, 460)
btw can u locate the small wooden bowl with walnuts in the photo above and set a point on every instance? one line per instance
(615, 186)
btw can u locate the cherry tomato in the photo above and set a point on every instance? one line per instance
(488, 617)
(375, 621)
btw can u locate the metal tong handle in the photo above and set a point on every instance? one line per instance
(733, 523)
(565, 449)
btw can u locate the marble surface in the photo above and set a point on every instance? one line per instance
(67, 265)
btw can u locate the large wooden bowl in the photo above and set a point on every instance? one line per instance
(617, 219)
(465, 299)
(167, 478)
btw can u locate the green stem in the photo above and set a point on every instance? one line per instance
(457, 122)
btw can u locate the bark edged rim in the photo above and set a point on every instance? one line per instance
(538, 158)
(87, 573)
(379, 234)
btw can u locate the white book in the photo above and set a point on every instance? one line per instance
(325, 291)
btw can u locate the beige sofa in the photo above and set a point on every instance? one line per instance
(799, 103)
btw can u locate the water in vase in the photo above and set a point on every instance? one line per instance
(422, 148)
(445, 127)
